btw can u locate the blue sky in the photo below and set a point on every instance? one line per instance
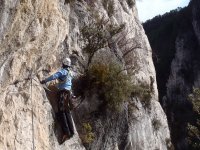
(147, 9)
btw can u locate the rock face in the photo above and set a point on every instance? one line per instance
(184, 76)
(35, 35)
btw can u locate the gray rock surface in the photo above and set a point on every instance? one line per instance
(34, 36)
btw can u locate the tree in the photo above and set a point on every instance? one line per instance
(194, 126)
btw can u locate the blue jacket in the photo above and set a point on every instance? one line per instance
(64, 77)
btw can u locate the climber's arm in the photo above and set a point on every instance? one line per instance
(52, 77)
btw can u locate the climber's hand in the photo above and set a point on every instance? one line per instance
(43, 82)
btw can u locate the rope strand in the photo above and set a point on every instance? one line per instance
(32, 114)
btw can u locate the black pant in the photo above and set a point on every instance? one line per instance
(66, 123)
(64, 114)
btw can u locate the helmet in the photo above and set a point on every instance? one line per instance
(67, 62)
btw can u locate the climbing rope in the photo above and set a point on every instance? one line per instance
(33, 140)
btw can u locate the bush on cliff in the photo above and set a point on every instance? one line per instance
(112, 85)
(144, 92)
(109, 6)
(106, 76)
(96, 36)
(130, 3)
(194, 126)
(87, 136)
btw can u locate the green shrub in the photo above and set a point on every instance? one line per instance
(105, 3)
(195, 99)
(193, 136)
(156, 124)
(87, 135)
(130, 3)
(94, 38)
(96, 35)
(194, 126)
(69, 1)
(109, 6)
(132, 107)
(169, 144)
(113, 86)
(144, 92)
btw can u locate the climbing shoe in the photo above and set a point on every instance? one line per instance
(64, 138)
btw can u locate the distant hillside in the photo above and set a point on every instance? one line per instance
(175, 41)
(162, 32)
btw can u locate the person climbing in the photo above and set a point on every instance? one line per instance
(63, 90)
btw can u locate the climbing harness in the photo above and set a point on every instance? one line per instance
(79, 103)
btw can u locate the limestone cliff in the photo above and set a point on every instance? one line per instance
(184, 76)
(35, 35)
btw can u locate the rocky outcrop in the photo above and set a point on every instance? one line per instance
(31, 33)
(35, 36)
(184, 76)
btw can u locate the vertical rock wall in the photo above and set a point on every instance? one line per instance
(31, 33)
(34, 36)
(127, 129)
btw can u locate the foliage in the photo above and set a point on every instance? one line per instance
(130, 3)
(169, 144)
(132, 108)
(96, 35)
(69, 1)
(144, 92)
(194, 126)
(109, 6)
(87, 135)
(193, 136)
(94, 38)
(156, 124)
(195, 99)
(106, 78)
(112, 85)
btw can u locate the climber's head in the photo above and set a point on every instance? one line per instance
(66, 62)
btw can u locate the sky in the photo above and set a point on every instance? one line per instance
(148, 9)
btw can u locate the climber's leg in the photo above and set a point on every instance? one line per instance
(64, 124)
(70, 122)
(63, 106)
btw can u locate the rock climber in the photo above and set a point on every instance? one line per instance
(63, 90)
